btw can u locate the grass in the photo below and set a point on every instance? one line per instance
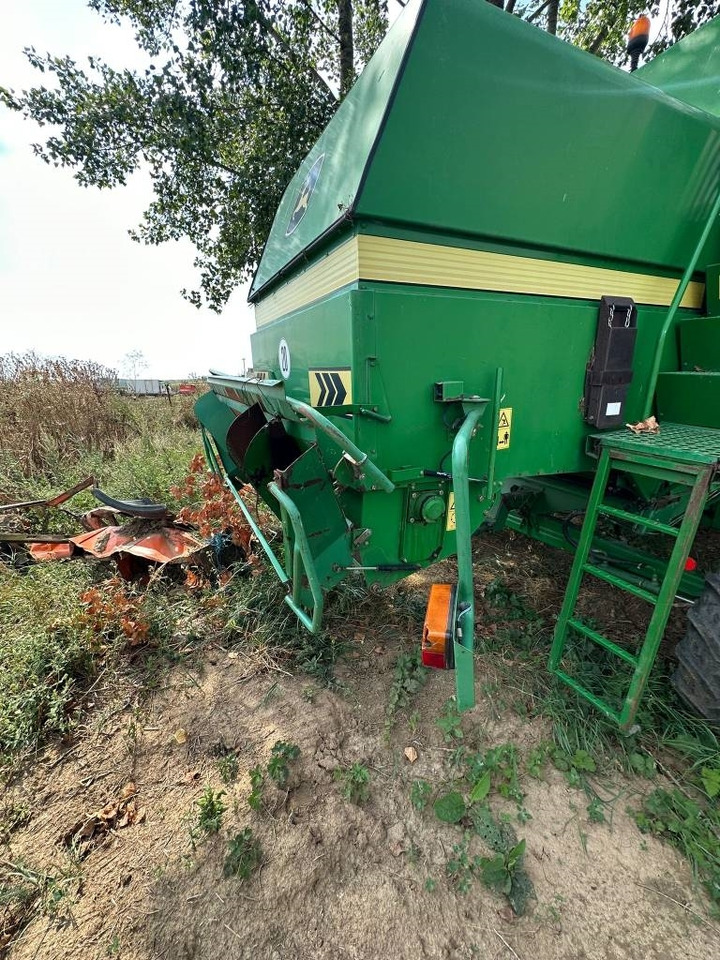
(669, 739)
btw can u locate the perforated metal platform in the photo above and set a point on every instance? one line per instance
(675, 441)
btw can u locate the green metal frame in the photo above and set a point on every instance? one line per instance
(464, 620)
(299, 561)
(696, 474)
(215, 466)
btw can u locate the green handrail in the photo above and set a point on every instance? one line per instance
(301, 560)
(217, 468)
(378, 480)
(679, 294)
(464, 632)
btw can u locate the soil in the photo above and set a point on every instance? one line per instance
(112, 809)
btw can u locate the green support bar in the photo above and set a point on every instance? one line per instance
(300, 562)
(581, 556)
(215, 466)
(666, 596)
(464, 632)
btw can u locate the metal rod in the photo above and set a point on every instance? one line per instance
(679, 294)
(497, 400)
(302, 561)
(377, 477)
(464, 633)
(216, 467)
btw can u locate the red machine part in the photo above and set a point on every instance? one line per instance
(437, 636)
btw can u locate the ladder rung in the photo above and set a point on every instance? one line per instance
(620, 582)
(595, 701)
(604, 642)
(637, 519)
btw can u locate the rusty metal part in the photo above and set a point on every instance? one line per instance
(160, 545)
(53, 501)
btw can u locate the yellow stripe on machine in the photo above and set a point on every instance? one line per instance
(430, 264)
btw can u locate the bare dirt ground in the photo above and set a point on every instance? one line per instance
(338, 881)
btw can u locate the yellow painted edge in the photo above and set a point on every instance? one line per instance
(428, 264)
(335, 270)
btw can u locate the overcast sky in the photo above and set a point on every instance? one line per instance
(72, 282)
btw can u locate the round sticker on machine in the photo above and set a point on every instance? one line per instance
(284, 358)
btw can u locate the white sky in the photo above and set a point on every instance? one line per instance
(72, 282)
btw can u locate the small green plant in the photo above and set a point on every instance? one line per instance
(244, 856)
(595, 810)
(642, 764)
(113, 948)
(574, 765)
(257, 781)
(450, 722)
(537, 758)
(459, 867)
(354, 782)
(420, 794)
(501, 764)
(228, 766)
(430, 884)
(210, 810)
(691, 827)
(409, 677)
(309, 694)
(281, 756)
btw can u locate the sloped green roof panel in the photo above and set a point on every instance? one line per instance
(690, 69)
(499, 130)
(325, 187)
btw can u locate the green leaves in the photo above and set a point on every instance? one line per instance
(450, 807)
(481, 788)
(710, 777)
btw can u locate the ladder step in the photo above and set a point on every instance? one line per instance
(584, 692)
(602, 641)
(620, 582)
(637, 519)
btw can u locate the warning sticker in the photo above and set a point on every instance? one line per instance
(330, 388)
(450, 523)
(504, 428)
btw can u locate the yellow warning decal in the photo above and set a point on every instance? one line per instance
(450, 523)
(330, 388)
(504, 428)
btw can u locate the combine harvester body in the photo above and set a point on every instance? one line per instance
(500, 252)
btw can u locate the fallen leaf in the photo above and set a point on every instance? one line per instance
(180, 736)
(411, 754)
(129, 790)
(644, 426)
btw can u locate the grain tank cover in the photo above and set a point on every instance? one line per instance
(690, 69)
(479, 128)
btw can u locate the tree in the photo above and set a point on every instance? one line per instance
(234, 94)
(133, 363)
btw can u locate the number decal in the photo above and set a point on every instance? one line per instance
(284, 358)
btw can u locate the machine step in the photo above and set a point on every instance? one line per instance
(619, 582)
(689, 397)
(602, 641)
(700, 343)
(683, 454)
(637, 519)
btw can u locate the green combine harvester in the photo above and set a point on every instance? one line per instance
(499, 253)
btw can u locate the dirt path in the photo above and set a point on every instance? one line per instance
(338, 881)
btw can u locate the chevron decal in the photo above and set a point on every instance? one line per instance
(330, 388)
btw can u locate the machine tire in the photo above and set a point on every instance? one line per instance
(697, 677)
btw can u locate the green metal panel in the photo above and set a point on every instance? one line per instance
(692, 398)
(689, 69)
(345, 145)
(499, 129)
(700, 343)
